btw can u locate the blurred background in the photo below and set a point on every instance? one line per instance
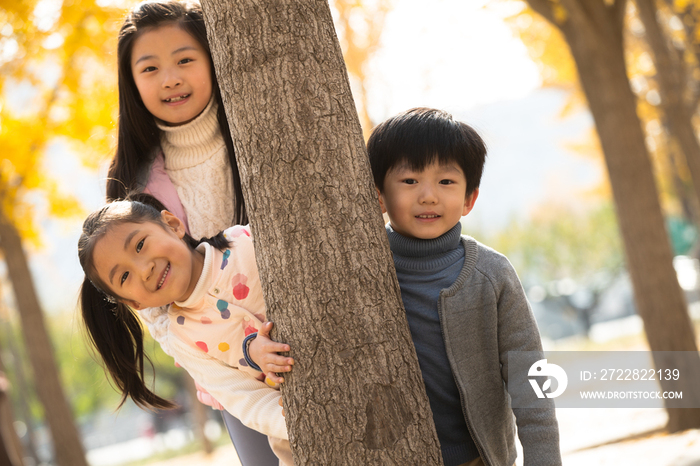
(506, 67)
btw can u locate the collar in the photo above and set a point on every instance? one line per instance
(205, 279)
(413, 247)
(193, 143)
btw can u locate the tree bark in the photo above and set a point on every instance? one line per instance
(593, 30)
(355, 395)
(670, 76)
(68, 448)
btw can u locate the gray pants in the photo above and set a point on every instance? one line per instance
(252, 447)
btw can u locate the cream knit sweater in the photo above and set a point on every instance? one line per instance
(197, 163)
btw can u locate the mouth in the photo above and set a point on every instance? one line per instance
(176, 99)
(428, 216)
(162, 278)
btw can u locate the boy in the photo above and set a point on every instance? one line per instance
(464, 303)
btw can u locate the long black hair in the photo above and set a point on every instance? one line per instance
(138, 135)
(113, 328)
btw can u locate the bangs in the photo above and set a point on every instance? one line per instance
(419, 137)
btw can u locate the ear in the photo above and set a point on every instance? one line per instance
(381, 200)
(174, 223)
(469, 202)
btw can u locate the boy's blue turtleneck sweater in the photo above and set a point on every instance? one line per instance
(424, 267)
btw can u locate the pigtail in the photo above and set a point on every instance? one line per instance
(219, 241)
(116, 333)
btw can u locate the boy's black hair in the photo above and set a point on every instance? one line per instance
(421, 136)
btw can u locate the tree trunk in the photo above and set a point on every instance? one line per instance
(670, 76)
(683, 189)
(66, 440)
(593, 30)
(23, 386)
(355, 395)
(10, 445)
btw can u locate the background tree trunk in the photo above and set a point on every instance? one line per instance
(670, 76)
(593, 30)
(66, 440)
(355, 395)
(11, 453)
(22, 386)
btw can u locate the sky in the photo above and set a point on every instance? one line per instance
(456, 55)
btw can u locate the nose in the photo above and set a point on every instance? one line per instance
(171, 79)
(427, 195)
(146, 269)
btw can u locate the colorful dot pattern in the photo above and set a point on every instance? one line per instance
(233, 307)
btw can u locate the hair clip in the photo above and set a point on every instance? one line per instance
(110, 299)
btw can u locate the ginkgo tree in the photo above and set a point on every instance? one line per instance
(56, 84)
(594, 31)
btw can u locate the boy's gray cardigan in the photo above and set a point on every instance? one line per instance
(485, 314)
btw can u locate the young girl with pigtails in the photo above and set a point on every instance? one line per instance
(135, 257)
(174, 143)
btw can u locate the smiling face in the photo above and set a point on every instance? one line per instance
(147, 264)
(172, 73)
(426, 204)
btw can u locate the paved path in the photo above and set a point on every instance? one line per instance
(589, 437)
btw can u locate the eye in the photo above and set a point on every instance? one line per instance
(124, 277)
(409, 181)
(148, 69)
(185, 61)
(140, 245)
(446, 182)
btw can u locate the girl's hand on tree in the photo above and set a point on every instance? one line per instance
(263, 351)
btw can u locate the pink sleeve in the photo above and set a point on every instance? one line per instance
(161, 187)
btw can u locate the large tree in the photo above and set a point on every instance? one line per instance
(593, 30)
(355, 395)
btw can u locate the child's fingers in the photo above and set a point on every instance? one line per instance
(275, 359)
(272, 367)
(274, 377)
(274, 347)
(277, 366)
(265, 329)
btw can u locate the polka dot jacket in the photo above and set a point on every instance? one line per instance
(226, 305)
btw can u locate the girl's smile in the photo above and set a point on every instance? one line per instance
(148, 264)
(172, 73)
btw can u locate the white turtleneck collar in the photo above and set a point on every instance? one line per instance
(193, 143)
(205, 278)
